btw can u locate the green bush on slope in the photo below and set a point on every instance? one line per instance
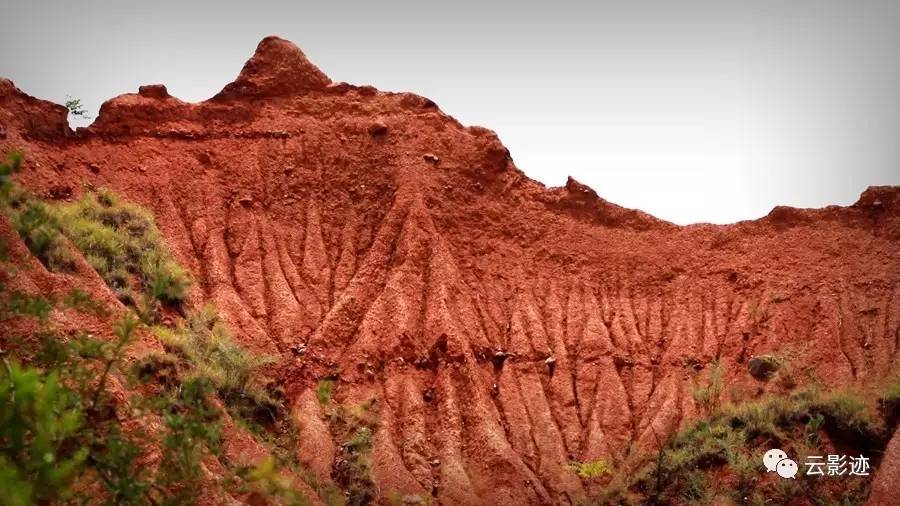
(121, 241)
(736, 435)
(354, 427)
(40, 452)
(38, 228)
(62, 439)
(207, 345)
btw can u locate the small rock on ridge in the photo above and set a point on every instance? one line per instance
(153, 91)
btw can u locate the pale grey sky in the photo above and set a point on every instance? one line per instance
(694, 111)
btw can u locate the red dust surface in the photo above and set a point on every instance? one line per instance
(504, 328)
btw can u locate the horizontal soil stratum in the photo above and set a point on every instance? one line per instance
(503, 328)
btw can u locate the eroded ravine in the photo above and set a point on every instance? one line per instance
(504, 328)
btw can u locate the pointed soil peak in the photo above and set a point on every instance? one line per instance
(277, 68)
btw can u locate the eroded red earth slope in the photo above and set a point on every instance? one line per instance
(504, 328)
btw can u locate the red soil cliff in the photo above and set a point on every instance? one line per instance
(504, 328)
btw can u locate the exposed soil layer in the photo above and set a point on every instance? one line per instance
(504, 328)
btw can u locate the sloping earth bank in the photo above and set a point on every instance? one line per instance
(504, 328)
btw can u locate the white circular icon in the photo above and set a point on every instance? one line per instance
(787, 468)
(771, 458)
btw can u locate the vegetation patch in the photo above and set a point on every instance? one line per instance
(889, 404)
(266, 480)
(323, 391)
(63, 438)
(121, 242)
(32, 219)
(354, 427)
(589, 470)
(707, 394)
(721, 453)
(210, 353)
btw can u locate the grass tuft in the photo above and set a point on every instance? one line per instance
(205, 341)
(38, 227)
(736, 435)
(324, 391)
(589, 470)
(121, 241)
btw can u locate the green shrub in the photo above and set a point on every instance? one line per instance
(192, 429)
(121, 242)
(206, 343)
(31, 219)
(39, 231)
(591, 469)
(323, 391)
(76, 108)
(117, 464)
(736, 435)
(354, 428)
(40, 452)
(61, 437)
(708, 393)
(57, 428)
(12, 165)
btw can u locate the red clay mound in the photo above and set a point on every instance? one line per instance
(504, 328)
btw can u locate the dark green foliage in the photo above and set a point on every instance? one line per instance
(735, 436)
(211, 353)
(57, 426)
(40, 419)
(12, 165)
(354, 427)
(71, 375)
(76, 108)
(193, 428)
(40, 232)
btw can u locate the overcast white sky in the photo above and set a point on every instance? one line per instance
(694, 111)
